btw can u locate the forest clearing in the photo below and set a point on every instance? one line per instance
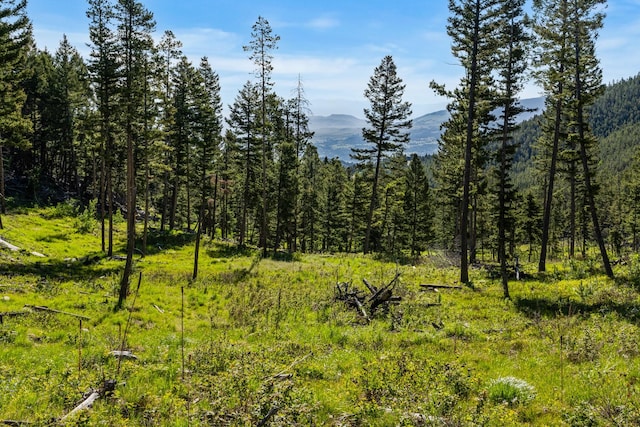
(266, 341)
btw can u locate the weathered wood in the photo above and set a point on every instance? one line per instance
(361, 308)
(11, 314)
(434, 288)
(85, 404)
(369, 286)
(384, 291)
(8, 245)
(270, 414)
(51, 310)
(107, 387)
(123, 354)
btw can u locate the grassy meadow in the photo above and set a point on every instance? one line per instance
(263, 342)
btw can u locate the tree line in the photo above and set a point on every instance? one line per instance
(138, 128)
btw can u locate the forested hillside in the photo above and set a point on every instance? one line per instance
(614, 118)
(136, 129)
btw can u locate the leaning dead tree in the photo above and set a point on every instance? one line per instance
(378, 299)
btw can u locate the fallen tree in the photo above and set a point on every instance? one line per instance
(367, 305)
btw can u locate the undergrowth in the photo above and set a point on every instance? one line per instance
(264, 341)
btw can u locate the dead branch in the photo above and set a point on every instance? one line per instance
(51, 310)
(434, 288)
(11, 314)
(123, 354)
(362, 310)
(294, 363)
(369, 286)
(270, 414)
(107, 387)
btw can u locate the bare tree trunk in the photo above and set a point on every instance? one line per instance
(546, 218)
(3, 205)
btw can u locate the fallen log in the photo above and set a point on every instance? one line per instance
(362, 310)
(270, 414)
(9, 246)
(369, 286)
(435, 288)
(51, 310)
(107, 387)
(123, 354)
(11, 314)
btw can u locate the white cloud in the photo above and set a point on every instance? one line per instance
(323, 23)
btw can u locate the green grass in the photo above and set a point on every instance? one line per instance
(267, 336)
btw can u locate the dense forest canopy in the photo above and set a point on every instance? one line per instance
(137, 129)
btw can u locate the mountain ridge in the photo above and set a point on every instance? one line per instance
(336, 134)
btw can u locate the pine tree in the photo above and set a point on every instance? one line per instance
(417, 206)
(334, 199)
(104, 69)
(472, 27)
(40, 112)
(69, 96)
(299, 106)
(208, 121)
(510, 67)
(587, 86)
(310, 178)
(388, 121)
(287, 161)
(15, 36)
(243, 120)
(262, 43)
(135, 25)
(168, 51)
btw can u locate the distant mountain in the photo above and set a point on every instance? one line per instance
(336, 134)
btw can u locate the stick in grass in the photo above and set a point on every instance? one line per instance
(126, 328)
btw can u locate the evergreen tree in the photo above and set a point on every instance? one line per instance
(510, 67)
(388, 120)
(472, 27)
(262, 43)
(40, 112)
(69, 96)
(551, 28)
(334, 198)
(299, 106)
(168, 51)
(243, 121)
(417, 206)
(310, 178)
(587, 86)
(391, 220)
(208, 122)
(135, 25)
(104, 71)
(183, 141)
(15, 36)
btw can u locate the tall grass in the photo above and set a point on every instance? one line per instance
(265, 340)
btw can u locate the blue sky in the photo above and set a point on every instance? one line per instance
(333, 45)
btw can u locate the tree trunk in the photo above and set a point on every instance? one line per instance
(466, 180)
(546, 219)
(3, 207)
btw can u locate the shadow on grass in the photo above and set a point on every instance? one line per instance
(158, 241)
(233, 277)
(534, 307)
(221, 249)
(82, 269)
